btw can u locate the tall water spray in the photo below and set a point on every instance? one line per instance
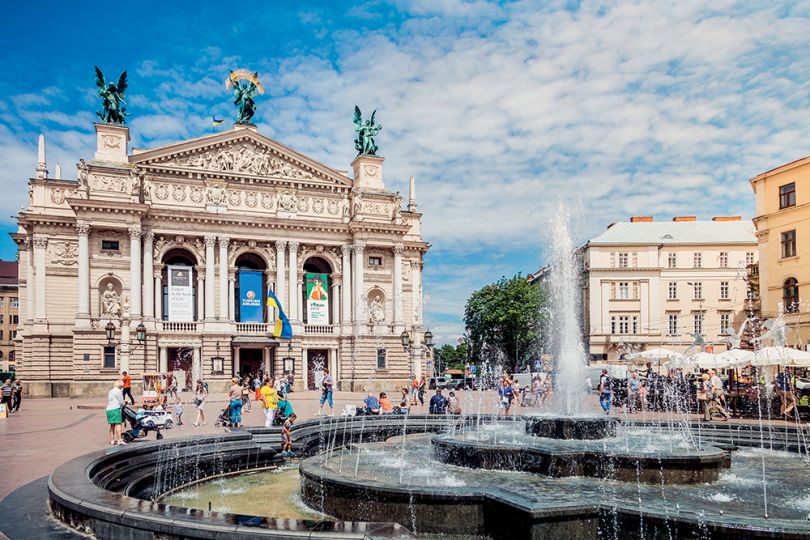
(565, 293)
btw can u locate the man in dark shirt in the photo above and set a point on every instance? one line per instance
(438, 403)
(6, 391)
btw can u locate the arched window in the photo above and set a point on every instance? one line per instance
(250, 269)
(178, 257)
(790, 295)
(316, 297)
(11, 356)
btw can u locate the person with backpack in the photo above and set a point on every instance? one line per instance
(326, 393)
(605, 392)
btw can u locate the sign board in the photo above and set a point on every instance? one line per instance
(250, 296)
(710, 349)
(181, 294)
(317, 298)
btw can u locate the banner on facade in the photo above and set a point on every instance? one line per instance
(181, 294)
(317, 299)
(250, 296)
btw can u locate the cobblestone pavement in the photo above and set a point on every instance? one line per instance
(48, 432)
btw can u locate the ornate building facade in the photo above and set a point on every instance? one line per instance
(187, 239)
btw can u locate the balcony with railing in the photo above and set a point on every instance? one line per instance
(319, 329)
(252, 328)
(179, 327)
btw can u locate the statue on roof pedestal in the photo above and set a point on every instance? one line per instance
(366, 131)
(113, 107)
(245, 86)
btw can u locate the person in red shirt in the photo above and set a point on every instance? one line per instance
(127, 389)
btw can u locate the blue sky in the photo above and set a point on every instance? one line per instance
(499, 110)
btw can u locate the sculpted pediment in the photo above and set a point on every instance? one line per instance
(240, 152)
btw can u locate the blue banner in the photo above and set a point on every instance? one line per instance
(250, 296)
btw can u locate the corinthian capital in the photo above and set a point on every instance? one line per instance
(40, 242)
(223, 241)
(82, 229)
(134, 231)
(399, 249)
(281, 245)
(210, 241)
(346, 249)
(359, 246)
(149, 236)
(293, 244)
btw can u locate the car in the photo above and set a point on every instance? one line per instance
(156, 419)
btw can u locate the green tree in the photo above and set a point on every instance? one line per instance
(504, 319)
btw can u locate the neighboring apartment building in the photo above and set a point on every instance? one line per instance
(9, 314)
(783, 232)
(657, 284)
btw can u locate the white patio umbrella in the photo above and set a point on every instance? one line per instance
(736, 357)
(781, 356)
(706, 360)
(657, 353)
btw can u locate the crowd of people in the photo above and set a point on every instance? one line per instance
(12, 395)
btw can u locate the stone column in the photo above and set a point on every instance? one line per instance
(346, 299)
(335, 297)
(196, 366)
(333, 364)
(223, 277)
(83, 230)
(416, 292)
(200, 294)
(158, 292)
(268, 277)
(40, 245)
(126, 347)
(281, 245)
(304, 369)
(135, 271)
(399, 325)
(299, 294)
(236, 361)
(148, 261)
(231, 294)
(292, 310)
(266, 361)
(359, 285)
(29, 279)
(164, 360)
(210, 241)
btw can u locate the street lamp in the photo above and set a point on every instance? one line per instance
(140, 336)
(405, 337)
(288, 361)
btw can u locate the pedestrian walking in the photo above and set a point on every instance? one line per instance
(246, 394)
(178, 411)
(414, 390)
(505, 394)
(438, 403)
(605, 392)
(235, 396)
(6, 394)
(326, 393)
(115, 406)
(17, 395)
(127, 388)
(422, 389)
(200, 393)
(269, 402)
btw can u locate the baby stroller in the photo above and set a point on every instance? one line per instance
(140, 424)
(224, 418)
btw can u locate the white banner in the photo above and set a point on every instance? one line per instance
(181, 294)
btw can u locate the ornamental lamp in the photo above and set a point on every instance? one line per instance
(429, 339)
(140, 333)
(405, 338)
(109, 330)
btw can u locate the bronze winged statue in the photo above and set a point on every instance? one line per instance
(113, 107)
(245, 86)
(366, 131)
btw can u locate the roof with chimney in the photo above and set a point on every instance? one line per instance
(679, 231)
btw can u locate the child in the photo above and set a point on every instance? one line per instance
(178, 411)
(286, 436)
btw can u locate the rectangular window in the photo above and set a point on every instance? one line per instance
(613, 325)
(635, 325)
(624, 324)
(13, 334)
(624, 290)
(109, 358)
(789, 244)
(2, 302)
(612, 260)
(698, 323)
(724, 290)
(1, 335)
(698, 288)
(698, 259)
(725, 324)
(2, 318)
(110, 245)
(724, 259)
(623, 260)
(381, 358)
(673, 324)
(672, 290)
(375, 261)
(672, 260)
(635, 260)
(15, 319)
(15, 303)
(749, 258)
(787, 195)
(635, 290)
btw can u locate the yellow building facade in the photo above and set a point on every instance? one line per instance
(783, 236)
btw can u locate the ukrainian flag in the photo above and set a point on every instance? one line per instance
(215, 122)
(283, 328)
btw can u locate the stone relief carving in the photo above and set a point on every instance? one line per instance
(136, 179)
(82, 172)
(110, 302)
(357, 201)
(64, 252)
(396, 214)
(318, 206)
(245, 158)
(376, 310)
(267, 201)
(179, 193)
(196, 195)
(303, 205)
(216, 195)
(287, 201)
(57, 196)
(333, 207)
(235, 198)
(162, 192)
(111, 142)
(119, 184)
(251, 199)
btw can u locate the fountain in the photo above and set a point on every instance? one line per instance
(568, 474)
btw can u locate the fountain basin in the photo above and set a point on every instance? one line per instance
(572, 427)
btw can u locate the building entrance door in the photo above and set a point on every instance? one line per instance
(316, 363)
(250, 361)
(181, 365)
